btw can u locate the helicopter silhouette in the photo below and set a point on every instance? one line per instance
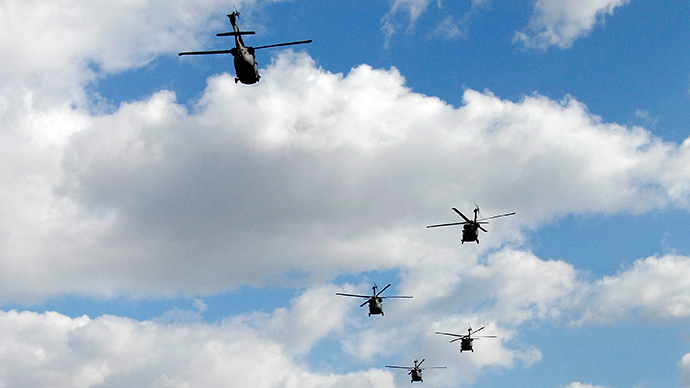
(466, 339)
(415, 371)
(471, 228)
(245, 63)
(376, 300)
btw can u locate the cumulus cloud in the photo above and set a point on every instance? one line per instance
(561, 22)
(514, 287)
(309, 318)
(303, 177)
(519, 287)
(47, 350)
(655, 287)
(310, 173)
(522, 287)
(684, 369)
(66, 42)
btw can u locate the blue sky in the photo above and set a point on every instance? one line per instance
(164, 227)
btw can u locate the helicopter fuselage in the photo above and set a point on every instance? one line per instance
(470, 232)
(243, 57)
(375, 306)
(245, 65)
(416, 375)
(466, 344)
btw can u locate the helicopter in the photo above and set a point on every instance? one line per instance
(470, 228)
(375, 301)
(466, 339)
(244, 60)
(415, 371)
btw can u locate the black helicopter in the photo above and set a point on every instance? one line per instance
(470, 228)
(415, 371)
(245, 63)
(376, 300)
(466, 339)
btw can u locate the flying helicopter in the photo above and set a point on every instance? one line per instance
(376, 300)
(415, 371)
(471, 228)
(466, 339)
(244, 60)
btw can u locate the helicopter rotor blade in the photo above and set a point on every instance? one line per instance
(205, 52)
(474, 331)
(461, 215)
(382, 290)
(498, 216)
(368, 300)
(484, 336)
(420, 363)
(459, 336)
(396, 297)
(399, 367)
(450, 224)
(355, 295)
(450, 334)
(283, 44)
(483, 230)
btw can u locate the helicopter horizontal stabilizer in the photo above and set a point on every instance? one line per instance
(235, 33)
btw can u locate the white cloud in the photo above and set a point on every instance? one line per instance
(448, 27)
(582, 385)
(658, 288)
(339, 173)
(311, 317)
(413, 7)
(684, 369)
(523, 287)
(647, 119)
(516, 287)
(309, 173)
(48, 350)
(520, 288)
(561, 22)
(56, 41)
